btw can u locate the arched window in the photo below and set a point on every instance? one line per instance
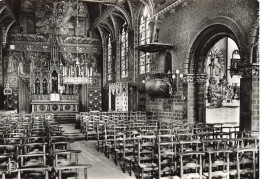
(124, 52)
(144, 38)
(109, 59)
(168, 63)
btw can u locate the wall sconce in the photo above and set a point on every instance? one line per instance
(175, 81)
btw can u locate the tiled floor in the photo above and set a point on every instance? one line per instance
(102, 167)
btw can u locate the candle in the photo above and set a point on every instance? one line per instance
(177, 71)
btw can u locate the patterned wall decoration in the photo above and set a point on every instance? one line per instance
(120, 90)
(95, 100)
(1, 65)
(55, 41)
(11, 101)
(122, 101)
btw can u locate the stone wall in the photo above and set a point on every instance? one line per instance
(166, 108)
(255, 103)
(180, 27)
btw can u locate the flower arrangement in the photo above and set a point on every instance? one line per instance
(218, 92)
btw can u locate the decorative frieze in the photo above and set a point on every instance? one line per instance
(249, 70)
(191, 78)
(118, 88)
(162, 9)
(46, 47)
(43, 107)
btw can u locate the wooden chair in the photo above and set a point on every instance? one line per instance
(32, 159)
(118, 147)
(33, 172)
(217, 164)
(246, 163)
(60, 171)
(91, 127)
(129, 155)
(146, 165)
(191, 165)
(167, 159)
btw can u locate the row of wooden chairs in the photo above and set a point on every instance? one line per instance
(150, 158)
(38, 150)
(173, 149)
(93, 125)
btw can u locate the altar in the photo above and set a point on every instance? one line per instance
(53, 69)
(55, 103)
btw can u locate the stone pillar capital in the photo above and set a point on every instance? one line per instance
(249, 70)
(192, 78)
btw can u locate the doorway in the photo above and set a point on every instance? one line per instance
(223, 82)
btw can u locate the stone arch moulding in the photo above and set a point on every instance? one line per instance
(208, 33)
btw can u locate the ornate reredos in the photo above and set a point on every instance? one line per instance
(61, 16)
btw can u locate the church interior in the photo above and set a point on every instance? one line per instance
(124, 89)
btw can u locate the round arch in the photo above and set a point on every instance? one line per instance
(207, 35)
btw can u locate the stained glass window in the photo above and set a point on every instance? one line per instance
(124, 52)
(144, 38)
(109, 59)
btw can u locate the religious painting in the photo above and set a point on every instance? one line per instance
(57, 16)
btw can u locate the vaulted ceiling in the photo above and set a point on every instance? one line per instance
(103, 14)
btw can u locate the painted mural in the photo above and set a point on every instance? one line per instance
(53, 53)
(59, 16)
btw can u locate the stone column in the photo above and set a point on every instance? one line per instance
(194, 91)
(249, 97)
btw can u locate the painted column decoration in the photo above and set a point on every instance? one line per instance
(120, 90)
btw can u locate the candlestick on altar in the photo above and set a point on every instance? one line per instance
(90, 71)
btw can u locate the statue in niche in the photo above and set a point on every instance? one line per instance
(77, 68)
(54, 82)
(37, 86)
(23, 64)
(13, 62)
(93, 66)
(82, 65)
(21, 71)
(215, 67)
(43, 60)
(45, 86)
(82, 10)
(31, 56)
(214, 61)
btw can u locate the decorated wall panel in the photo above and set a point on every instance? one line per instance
(120, 91)
(53, 54)
(1, 65)
(95, 99)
